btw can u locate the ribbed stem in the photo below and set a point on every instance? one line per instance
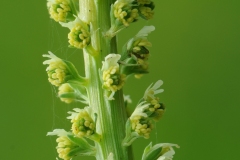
(112, 115)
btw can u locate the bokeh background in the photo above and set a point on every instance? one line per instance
(196, 52)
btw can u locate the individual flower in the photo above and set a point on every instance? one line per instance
(70, 92)
(125, 11)
(140, 121)
(161, 151)
(113, 80)
(60, 71)
(145, 8)
(66, 89)
(79, 36)
(152, 90)
(57, 69)
(83, 124)
(70, 146)
(136, 54)
(156, 109)
(62, 10)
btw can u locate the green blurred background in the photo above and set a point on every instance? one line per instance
(196, 52)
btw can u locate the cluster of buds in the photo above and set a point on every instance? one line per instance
(62, 10)
(64, 75)
(82, 123)
(113, 80)
(70, 146)
(135, 52)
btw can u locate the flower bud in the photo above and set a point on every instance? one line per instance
(70, 92)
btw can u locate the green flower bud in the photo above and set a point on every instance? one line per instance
(70, 92)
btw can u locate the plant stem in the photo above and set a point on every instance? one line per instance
(111, 115)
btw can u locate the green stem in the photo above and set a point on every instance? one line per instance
(112, 115)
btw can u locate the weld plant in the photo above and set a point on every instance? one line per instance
(94, 25)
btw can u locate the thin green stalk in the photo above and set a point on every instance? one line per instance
(112, 115)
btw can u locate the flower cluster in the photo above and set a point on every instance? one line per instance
(112, 79)
(60, 10)
(125, 12)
